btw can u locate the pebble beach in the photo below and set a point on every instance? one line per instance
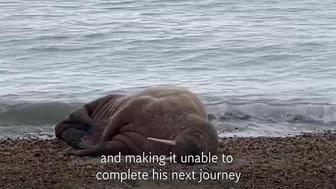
(302, 161)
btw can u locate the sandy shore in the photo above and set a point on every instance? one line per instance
(307, 161)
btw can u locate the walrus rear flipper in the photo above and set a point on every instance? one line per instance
(72, 133)
(74, 137)
(81, 117)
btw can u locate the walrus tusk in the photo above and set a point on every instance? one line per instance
(169, 142)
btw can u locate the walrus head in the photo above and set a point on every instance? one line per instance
(185, 145)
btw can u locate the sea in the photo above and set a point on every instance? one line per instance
(261, 68)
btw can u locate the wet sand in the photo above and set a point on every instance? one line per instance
(305, 161)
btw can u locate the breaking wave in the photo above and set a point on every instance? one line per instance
(275, 113)
(51, 112)
(229, 118)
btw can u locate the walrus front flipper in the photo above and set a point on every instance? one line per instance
(113, 147)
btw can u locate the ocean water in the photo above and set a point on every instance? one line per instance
(263, 68)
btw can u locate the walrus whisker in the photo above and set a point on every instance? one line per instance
(169, 159)
(169, 142)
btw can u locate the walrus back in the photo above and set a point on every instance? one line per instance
(166, 113)
(174, 98)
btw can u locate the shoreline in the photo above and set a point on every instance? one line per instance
(301, 161)
(222, 135)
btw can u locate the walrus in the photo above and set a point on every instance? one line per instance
(160, 120)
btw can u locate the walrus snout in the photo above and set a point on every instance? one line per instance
(188, 146)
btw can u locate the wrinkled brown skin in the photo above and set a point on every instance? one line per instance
(120, 123)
